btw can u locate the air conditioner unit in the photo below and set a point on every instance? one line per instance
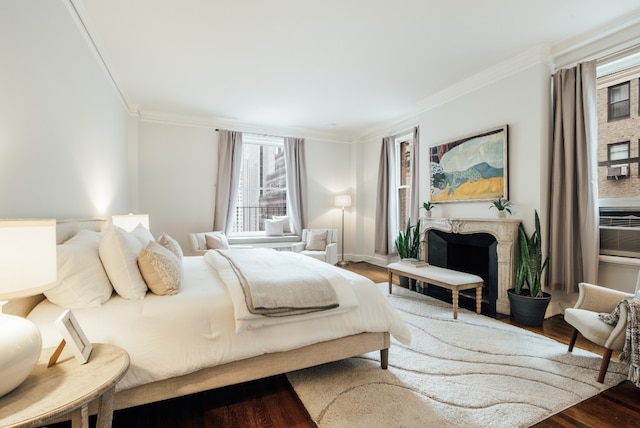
(616, 171)
(620, 236)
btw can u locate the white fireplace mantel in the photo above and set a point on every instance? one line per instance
(506, 233)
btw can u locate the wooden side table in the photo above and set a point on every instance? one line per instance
(67, 386)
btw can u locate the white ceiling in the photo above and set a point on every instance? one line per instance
(338, 67)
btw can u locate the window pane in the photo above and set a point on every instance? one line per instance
(403, 203)
(405, 163)
(262, 191)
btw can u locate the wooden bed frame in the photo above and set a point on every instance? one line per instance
(234, 372)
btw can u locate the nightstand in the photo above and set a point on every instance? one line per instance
(67, 387)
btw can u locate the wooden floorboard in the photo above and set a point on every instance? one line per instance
(272, 402)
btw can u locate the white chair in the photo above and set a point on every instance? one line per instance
(592, 300)
(328, 254)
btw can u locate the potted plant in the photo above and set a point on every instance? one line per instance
(502, 205)
(428, 206)
(408, 246)
(528, 301)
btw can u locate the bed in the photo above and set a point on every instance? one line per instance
(191, 341)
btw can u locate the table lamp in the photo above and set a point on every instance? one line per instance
(343, 201)
(130, 221)
(27, 267)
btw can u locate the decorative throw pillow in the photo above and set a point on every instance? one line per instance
(160, 268)
(274, 227)
(216, 241)
(287, 224)
(119, 251)
(143, 234)
(82, 281)
(316, 240)
(171, 244)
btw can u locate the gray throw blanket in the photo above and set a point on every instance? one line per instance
(274, 286)
(631, 351)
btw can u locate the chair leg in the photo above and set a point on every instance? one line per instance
(572, 342)
(604, 365)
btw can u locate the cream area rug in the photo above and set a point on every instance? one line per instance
(473, 372)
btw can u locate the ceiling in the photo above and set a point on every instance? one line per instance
(338, 67)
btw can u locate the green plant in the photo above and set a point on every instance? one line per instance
(530, 264)
(428, 206)
(501, 204)
(408, 242)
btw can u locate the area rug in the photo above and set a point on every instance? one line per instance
(474, 372)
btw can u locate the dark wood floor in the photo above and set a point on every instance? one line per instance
(272, 402)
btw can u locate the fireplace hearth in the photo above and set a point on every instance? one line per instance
(485, 247)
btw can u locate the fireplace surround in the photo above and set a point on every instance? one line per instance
(499, 236)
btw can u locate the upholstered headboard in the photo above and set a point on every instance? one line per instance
(65, 229)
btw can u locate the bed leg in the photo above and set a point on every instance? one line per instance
(384, 358)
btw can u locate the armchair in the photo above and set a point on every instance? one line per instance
(592, 300)
(326, 251)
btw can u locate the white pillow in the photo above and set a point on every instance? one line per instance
(287, 224)
(216, 241)
(119, 251)
(316, 240)
(143, 234)
(160, 268)
(171, 244)
(82, 281)
(274, 227)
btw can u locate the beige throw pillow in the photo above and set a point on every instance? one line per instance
(316, 241)
(216, 241)
(160, 268)
(171, 244)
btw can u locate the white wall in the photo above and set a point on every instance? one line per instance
(63, 126)
(177, 178)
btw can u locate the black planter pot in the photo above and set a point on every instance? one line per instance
(406, 282)
(528, 310)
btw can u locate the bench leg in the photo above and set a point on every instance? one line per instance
(390, 279)
(454, 295)
(479, 300)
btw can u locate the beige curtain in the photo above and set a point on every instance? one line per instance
(574, 238)
(296, 182)
(386, 203)
(229, 163)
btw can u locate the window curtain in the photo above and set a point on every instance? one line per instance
(229, 163)
(386, 203)
(296, 183)
(414, 202)
(574, 237)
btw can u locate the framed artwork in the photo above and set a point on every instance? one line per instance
(472, 168)
(74, 336)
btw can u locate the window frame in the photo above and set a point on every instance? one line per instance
(611, 104)
(400, 188)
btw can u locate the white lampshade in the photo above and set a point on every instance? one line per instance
(27, 257)
(130, 221)
(27, 267)
(343, 201)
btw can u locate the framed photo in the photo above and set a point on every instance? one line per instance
(471, 168)
(74, 336)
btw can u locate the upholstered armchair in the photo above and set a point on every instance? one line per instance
(592, 300)
(321, 244)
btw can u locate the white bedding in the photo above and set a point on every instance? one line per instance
(169, 336)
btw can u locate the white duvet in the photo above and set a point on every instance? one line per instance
(168, 336)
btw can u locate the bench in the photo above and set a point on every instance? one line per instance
(446, 278)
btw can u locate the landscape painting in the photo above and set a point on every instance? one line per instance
(470, 168)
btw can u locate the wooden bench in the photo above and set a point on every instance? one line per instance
(446, 278)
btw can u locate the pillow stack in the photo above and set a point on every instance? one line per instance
(92, 264)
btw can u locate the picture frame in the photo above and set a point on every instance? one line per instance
(470, 168)
(74, 336)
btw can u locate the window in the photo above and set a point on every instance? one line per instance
(618, 152)
(262, 191)
(619, 101)
(403, 178)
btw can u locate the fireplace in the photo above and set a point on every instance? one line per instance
(485, 247)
